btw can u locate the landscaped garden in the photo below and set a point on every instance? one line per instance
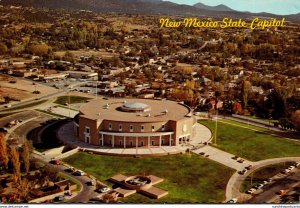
(71, 99)
(251, 144)
(187, 177)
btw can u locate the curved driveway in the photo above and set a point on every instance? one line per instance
(236, 180)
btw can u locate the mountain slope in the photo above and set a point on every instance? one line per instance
(220, 7)
(144, 7)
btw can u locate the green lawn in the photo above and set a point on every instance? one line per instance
(244, 125)
(71, 99)
(50, 113)
(188, 178)
(250, 144)
(262, 174)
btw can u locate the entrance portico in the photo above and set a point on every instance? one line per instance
(139, 139)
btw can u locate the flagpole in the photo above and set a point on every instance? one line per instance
(216, 126)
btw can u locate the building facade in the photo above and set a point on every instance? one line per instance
(128, 123)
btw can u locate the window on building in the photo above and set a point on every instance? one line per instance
(163, 127)
(153, 128)
(87, 130)
(131, 128)
(142, 128)
(110, 126)
(120, 127)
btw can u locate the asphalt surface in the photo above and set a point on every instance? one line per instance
(269, 192)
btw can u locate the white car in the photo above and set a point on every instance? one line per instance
(291, 167)
(297, 164)
(232, 201)
(259, 186)
(104, 189)
(251, 191)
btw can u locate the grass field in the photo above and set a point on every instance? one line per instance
(250, 144)
(51, 114)
(262, 174)
(187, 178)
(71, 99)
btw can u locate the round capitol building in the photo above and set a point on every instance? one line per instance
(128, 123)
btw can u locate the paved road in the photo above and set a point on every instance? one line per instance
(86, 192)
(269, 192)
(236, 180)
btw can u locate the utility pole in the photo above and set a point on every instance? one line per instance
(96, 88)
(216, 127)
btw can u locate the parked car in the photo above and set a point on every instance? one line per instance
(235, 157)
(291, 167)
(91, 183)
(59, 198)
(201, 153)
(3, 130)
(269, 180)
(259, 186)
(207, 155)
(55, 162)
(265, 182)
(242, 172)
(248, 167)
(297, 164)
(251, 191)
(79, 173)
(232, 201)
(286, 171)
(241, 160)
(103, 189)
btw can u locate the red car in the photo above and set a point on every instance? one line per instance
(56, 162)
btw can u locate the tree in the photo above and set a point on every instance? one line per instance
(237, 108)
(3, 48)
(24, 187)
(69, 56)
(26, 155)
(295, 118)
(15, 159)
(246, 90)
(3, 151)
(39, 49)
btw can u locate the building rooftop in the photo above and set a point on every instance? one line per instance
(134, 110)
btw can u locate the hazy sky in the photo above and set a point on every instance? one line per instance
(271, 6)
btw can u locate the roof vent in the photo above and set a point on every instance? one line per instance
(166, 111)
(149, 115)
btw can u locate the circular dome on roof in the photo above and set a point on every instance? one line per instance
(135, 107)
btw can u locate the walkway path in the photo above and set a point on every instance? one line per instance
(222, 157)
(202, 134)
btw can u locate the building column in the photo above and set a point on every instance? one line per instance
(113, 141)
(148, 141)
(102, 140)
(136, 142)
(124, 142)
(159, 141)
(170, 142)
